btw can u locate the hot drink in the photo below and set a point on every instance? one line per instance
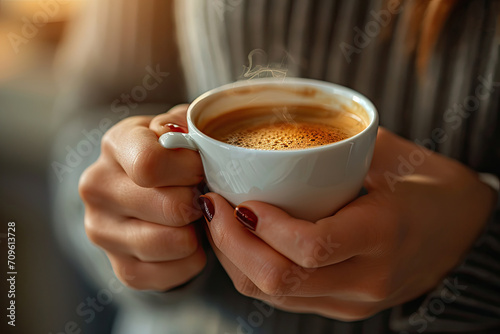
(283, 128)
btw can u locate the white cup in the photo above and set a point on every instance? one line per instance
(309, 183)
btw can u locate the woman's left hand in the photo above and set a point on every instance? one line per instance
(382, 249)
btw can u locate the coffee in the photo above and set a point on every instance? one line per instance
(283, 128)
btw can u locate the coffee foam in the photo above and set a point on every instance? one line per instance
(285, 136)
(283, 128)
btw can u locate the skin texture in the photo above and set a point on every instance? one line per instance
(382, 249)
(140, 202)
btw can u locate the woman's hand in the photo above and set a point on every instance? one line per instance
(140, 200)
(422, 213)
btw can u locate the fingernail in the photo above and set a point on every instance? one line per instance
(207, 207)
(175, 128)
(246, 217)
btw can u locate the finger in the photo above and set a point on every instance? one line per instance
(160, 276)
(256, 260)
(136, 148)
(175, 116)
(294, 281)
(347, 281)
(328, 241)
(147, 242)
(110, 189)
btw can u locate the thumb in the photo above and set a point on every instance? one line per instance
(328, 241)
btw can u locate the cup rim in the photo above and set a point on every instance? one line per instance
(344, 91)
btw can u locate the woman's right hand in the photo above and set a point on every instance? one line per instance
(140, 200)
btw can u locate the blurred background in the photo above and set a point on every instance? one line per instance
(48, 288)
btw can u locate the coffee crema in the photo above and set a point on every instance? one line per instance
(283, 128)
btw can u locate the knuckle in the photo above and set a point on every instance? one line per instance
(245, 286)
(309, 252)
(145, 248)
(379, 289)
(88, 183)
(269, 280)
(131, 282)
(131, 274)
(107, 142)
(180, 210)
(127, 272)
(170, 210)
(189, 242)
(182, 242)
(167, 283)
(92, 229)
(142, 166)
(146, 252)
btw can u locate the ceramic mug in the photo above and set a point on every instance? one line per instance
(310, 183)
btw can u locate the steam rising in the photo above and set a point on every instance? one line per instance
(271, 70)
(259, 71)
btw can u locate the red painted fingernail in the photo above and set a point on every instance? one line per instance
(207, 207)
(175, 128)
(246, 217)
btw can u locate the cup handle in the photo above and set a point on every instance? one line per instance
(177, 140)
